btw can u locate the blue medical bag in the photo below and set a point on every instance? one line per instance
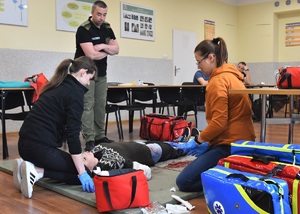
(289, 153)
(229, 191)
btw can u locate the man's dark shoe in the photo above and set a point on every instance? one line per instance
(195, 132)
(186, 135)
(103, 140)
(89, 145)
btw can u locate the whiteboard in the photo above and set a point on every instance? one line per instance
(14, 12)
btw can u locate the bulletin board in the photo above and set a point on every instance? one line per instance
(209, 29)
(137, 22)
(14, 12)
(70, 14)
(292, 34)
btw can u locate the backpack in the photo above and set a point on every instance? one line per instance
(37, 81)
(256, 108)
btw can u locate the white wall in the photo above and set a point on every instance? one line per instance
(18, 64)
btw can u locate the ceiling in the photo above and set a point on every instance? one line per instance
(244, 2)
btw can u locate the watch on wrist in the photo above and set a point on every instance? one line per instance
(247, 69)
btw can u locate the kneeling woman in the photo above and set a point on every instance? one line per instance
(57, 113)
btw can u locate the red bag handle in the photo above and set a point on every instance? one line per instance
(285, 76)
(133, 191)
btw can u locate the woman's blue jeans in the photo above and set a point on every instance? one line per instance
(189, 180)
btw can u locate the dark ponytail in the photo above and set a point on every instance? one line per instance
(69, 66)
(217, 46)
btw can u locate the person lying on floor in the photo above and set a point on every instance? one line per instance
(134, 155)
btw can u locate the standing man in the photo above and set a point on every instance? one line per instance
(96, 39)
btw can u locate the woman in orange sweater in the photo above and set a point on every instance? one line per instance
(229, 116)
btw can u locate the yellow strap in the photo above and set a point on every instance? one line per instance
(295, 197)
(210, 212)
(246, 197)
(249, 201)
(226, 164)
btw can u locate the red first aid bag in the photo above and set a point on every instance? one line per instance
(163, 127)
(122, 191)
(289, 77)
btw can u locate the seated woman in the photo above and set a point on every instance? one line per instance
(134, 155)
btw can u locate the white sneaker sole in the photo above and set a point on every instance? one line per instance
(28, 179)
(17, 173)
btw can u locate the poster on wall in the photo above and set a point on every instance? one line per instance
(292, 34)
(137, 22)
(70, 14)
(209, 29)
(14, 12)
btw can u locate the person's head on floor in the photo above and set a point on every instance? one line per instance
(89, 160)
(211, 54)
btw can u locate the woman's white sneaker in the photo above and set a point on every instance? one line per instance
(29, 176)
(17, 173)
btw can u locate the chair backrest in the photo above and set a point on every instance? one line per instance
(169, 95)
(196, 94)
(117, 95)
(144, 94)
(13, 100)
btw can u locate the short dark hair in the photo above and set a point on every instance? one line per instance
(243, 63)
(99, 4)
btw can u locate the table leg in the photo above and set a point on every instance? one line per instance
(291, 125)
(131, 114)
(263, 118)
(4, 140)
(154, 100)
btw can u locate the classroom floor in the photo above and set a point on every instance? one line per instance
(45, 201)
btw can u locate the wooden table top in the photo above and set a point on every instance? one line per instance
(273, 91)
(16, 89)
(155, 86)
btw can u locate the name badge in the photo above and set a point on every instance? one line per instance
(96, 38)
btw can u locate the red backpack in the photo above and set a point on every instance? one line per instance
(37, 81)
(289, 77)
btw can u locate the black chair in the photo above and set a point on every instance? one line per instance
(13, 100)
(169, 97)
(118, 97)
(145, 97)
(277, 102)
(110, 108)
(191, 98)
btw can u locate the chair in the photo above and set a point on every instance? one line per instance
(141, 97)
(11, 100)
(168, 97)
(277, 102)
(110, 108)
(115, 98)
(191, 97)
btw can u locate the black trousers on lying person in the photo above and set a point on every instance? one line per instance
(57, 164)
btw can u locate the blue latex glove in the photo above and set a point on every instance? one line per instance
(186, 147)
(199, 150)
(87, 182)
